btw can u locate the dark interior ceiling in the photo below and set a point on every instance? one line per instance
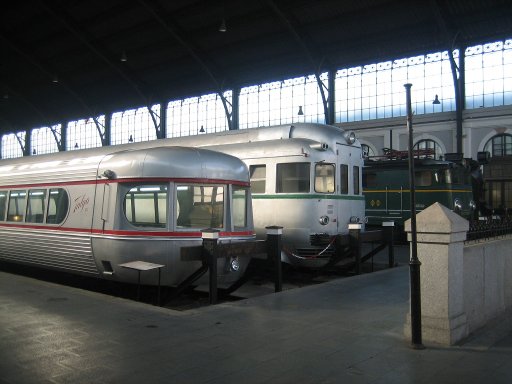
(174, 49)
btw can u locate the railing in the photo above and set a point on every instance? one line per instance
(489, 227)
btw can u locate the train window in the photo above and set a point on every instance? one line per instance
(16, 209)
(146, 205)
(240, 207)
(356, 180)
(293, 178)
(343, 179)
(3, 201)
(370, 179)
(423, 178)
(200, 206)
(258, 178)
(36, 205)
(58, 205)
(324, 178)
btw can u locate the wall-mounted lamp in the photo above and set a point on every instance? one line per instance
(222, 27)
(202, 130)
(130, 140)
(124, 58)
(300, 113)
(436, 100)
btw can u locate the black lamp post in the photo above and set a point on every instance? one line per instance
(414, 263)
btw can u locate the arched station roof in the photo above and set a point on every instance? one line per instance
(63, 60)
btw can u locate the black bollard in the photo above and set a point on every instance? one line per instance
(354, 232)
(388, 236)
(210, 237)
(274, 234)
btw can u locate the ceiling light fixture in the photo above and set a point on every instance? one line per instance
(55, 79)
(222, 27)
(124, 58)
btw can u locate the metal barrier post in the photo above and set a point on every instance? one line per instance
(210, 237)
(354, 232)
(274, 234)
(388, 236)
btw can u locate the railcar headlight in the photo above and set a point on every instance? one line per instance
(350, 137)
(457, 204)
(324, 220)
(234, 265)
(354, 219)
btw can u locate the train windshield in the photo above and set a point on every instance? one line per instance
(200, 206)
(324, 178)
(293, 178)
(146, 205)
(240, 196)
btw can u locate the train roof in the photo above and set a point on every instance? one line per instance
(157, 162)
(404, 163)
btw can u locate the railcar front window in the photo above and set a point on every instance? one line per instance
(324, 178)
(240, 207)
(146, 205)
(199, 206)
(36, 205)
(258, 178)
(356, 180)
(293, 178)
(423, 178)
(343, 179)
(58, 205)
(16, 211)
(3, 201)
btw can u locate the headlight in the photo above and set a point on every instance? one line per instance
(472, 205)
(350, 137)
(234, 265)
(457, 204)
(354, 219)
(324, 220)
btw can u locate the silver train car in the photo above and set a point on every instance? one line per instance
(89, 211)
(305, 177)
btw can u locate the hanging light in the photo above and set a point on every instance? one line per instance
(55, 79)
(222, 27)
(202, 130)
(123, 58)
(34, 152)
(300, 113)
(130, 140)
(436, 100)
(76, 145)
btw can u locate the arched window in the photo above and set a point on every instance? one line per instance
(499, 145)
(367, 151)
(428, 149)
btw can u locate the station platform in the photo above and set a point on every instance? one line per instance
(348, 330)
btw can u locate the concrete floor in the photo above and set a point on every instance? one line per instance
(342, 331)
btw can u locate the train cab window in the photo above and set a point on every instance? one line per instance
(36, 205)
(258, 178)
(3, 201)
(343, 179)
(16, 210)
(146, 205)
(293, 178)
(58, 205)
(356, 180)
(423, 178)
(324, 178)
(240, 207)
(199, 206)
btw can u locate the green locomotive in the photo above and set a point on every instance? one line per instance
(387, 190)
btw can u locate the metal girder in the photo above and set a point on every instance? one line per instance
(172, 28)
(300, 41)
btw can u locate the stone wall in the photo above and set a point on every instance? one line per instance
(463, 287)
